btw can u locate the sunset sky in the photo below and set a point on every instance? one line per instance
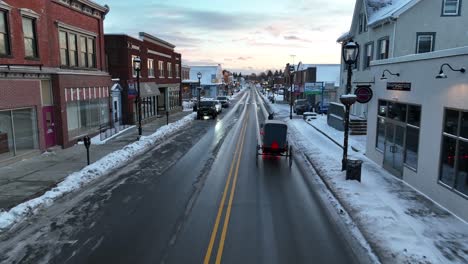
(244, 35)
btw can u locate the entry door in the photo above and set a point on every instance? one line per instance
(393, 155)
(49, 125)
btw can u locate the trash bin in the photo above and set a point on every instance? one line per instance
(353, 170)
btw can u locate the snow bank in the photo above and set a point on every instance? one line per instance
(79, 179)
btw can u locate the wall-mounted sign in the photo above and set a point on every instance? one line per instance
(364, 94)
(313, 88)
(398, 86)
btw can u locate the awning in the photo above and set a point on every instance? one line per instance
(149, 88)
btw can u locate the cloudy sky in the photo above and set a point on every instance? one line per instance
(242, 35)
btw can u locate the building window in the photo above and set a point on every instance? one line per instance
(177, 70)
(169, 70)
(30, 40)
(150, 68)
(425, 42)
(161, 69)
(86, 116)
(454, 152)
(76, 50)
(408, 118)
(369, 50)
(18, 132)
(383, 49)
(4, 36)
(134, 72)
(362, 23)
(451, 7)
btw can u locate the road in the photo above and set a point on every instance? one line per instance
(199, 197)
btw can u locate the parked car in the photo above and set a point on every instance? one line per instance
(224, 101)
(322, 109)
(300, 106)
(207, 108)
(219, 106)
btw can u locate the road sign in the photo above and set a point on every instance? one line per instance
(364, 94)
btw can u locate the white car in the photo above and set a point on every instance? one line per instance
(219, 107)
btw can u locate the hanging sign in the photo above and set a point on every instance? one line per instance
(364, 94)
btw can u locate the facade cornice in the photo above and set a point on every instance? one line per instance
(157, 41)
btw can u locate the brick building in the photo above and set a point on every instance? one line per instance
(53, 84)
(160, 75)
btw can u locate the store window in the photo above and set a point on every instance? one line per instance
(380, 134)
(18, 132)
(4, 35)
(454, 152)
(85, 116)
(30, 39)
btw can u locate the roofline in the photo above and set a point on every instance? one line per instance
(103, 8)
(156, 39)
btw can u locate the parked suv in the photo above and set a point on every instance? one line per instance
(207, 108)
(224, 101)
(300, 106)
(321, 109)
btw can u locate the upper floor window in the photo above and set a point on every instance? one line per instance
(177, 70)
(134, 72)
(4, 37)
(161, 69)
(362, 23)
(169, 70)
(150, 68)
(451, 7)
(383, 49)
(425, 42)
(77, 50)
(368, 52)
(30, 39)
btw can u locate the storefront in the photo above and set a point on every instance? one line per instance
(18, 132)
(87, 110)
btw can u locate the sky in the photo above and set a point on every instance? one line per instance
(244, 35)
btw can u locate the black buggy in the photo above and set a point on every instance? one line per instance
(274, 140)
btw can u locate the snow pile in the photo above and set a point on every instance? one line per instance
(101, 167)
(187, 106)
(378, 10)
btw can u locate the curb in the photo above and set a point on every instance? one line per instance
(332, 139)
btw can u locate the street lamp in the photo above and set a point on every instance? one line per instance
(137, 68)
(199, 75)
(290, 69)
(350, 54)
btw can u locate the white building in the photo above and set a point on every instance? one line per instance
(417, 123)
(211, 80)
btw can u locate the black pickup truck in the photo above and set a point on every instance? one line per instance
(207, 108)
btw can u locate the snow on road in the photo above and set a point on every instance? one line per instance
(101, 167)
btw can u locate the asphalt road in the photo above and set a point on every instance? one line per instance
(200, 197)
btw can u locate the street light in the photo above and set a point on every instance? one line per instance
(350, 54)
(137, 67)
(290, 69)
(442, 75)
(199, 75)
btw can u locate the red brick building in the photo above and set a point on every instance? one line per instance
(53, 81)
(160, 75)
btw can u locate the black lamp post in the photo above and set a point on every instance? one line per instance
(137, 68)
(290, 69)
(199, 75)
(350, 54)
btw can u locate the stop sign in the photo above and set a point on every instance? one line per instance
(364, 94)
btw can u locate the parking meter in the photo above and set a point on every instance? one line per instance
(87, 143)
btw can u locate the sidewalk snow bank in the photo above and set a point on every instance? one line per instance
(101, 167)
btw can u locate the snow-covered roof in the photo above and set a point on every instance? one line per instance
(380, 10)
(344, 37)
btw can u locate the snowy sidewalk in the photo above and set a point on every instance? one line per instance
(31, 177)
(400, 224)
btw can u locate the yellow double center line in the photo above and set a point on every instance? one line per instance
(235, 163)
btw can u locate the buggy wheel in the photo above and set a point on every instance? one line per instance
(290, 155)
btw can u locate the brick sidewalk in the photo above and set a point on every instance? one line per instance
(31, 177)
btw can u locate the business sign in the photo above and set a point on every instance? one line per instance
(363, 94)
(397, 86)
(313, 88)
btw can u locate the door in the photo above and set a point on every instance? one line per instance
(49, 125)
(393, 154)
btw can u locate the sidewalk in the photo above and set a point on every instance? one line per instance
(399, 223)
(29, 178)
